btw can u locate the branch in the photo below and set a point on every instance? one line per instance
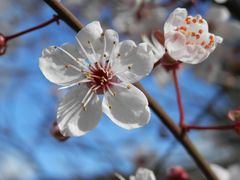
(73, 22)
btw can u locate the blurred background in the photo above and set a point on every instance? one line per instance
(28, 102)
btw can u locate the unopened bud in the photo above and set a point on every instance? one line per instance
(177, 173)
(3, 44)
(234, 114)
(56, 133)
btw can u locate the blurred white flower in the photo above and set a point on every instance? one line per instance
(224, 67)
(187, 38)
(234, 114)
(14, 165)
(90, 9)
(101, 65)
(138, 16)
(231, 173)
(142, 174)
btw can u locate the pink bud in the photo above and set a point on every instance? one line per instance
(234, 114)
(3, 44)
(56, 133)
(177, 173)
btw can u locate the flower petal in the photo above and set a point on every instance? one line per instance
(112, 39)
(91, 33)
(143, 174)
(54, 64)
(174, 43)
(157, 48)
(220, 172)
(176, 18)
(72, 119)
(178, 50)
(134, 62)
(128, 109)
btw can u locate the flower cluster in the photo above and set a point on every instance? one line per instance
(105, 68)
(100, 65)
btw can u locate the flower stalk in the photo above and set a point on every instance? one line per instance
(179, 98)
(211, 127)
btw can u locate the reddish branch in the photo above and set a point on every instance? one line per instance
(53, 19)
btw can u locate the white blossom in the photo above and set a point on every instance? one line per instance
(187, 38)
(138, 16)
(104, 68)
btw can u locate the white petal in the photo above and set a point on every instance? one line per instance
(112, 39)
(54, 65)
(159, 46)
(220, 172)
(145, 174)
(128, 109)
(134, 62)
(176, 18)
(72, 119)
(175, 43)
(92, 33)
(157, 49)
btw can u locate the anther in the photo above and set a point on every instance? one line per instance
(201, 21)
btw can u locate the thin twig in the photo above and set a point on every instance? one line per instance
(179, 99)
(72, 21)
(54, 19)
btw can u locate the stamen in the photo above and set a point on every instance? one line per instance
(87, 94)
(87, 101)
(74, 84)
(111, 92)
(84, 51)
(74, 67)
(71, 56)
(93, 50)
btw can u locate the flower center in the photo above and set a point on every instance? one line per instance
(196, 32)
(101, 77)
